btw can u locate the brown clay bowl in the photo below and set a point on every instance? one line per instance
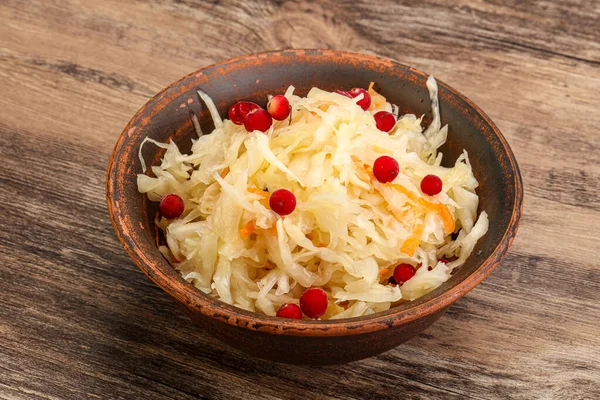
(166, 116)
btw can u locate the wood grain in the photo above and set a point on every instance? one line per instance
(78, 320)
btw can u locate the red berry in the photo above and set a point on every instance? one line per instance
(386, 169)
(313, 302)
(403, 272)
(431, 185)
(291, 311)
(282, 201)
(238, 112)
(258, 120)
(384, 121)
(365, 102)
(343, 93)
(279, 107)
(171, 206)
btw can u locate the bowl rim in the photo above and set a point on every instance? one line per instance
(211, 307)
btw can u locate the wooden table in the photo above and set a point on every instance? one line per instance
(78, 320)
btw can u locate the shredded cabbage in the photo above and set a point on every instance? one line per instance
(348, 230)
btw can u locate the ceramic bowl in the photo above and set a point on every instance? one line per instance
(166, 116)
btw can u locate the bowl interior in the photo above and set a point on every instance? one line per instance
(167, 117)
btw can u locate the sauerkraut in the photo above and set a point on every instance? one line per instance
(348, 230)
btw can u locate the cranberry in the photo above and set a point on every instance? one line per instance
(403, 272)
(282, 201)
(386, 169)
(343, 93)
(258, 120)
(313, 302)
(384, 121)
(279, 107)
(238, 112)
(365, 102)
(171, 206)
(291, 311)
(431, 185)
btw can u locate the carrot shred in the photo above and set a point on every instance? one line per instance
(383, 271)
(405, 192)
(258, 192)
(409, 246)
(273, 230)
(247, 230)
(225, 172)
(447, 218)
(439, 208)
(443, 212)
